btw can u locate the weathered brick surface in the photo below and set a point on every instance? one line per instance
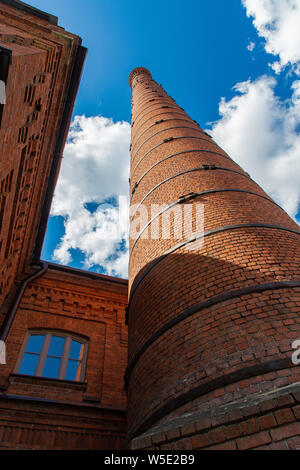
(42, 426)
(246, 430)
(43, 55)
(228, 335)
(70, 302)
(40, 413)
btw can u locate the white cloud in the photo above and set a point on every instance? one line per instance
(251, 46)
(95, 168)
(277, 21)
(276, 66)
(259, 131)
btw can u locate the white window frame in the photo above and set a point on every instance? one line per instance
(64, 358)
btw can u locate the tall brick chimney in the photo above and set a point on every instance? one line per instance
(212, 316)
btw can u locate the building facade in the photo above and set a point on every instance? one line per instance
(61, 386)
(213, 297)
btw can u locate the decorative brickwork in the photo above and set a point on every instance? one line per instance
(69, 301)
(38, 412)
(212, 314)
(266, 422)
(42, 425)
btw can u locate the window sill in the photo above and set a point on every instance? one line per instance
(34, 380)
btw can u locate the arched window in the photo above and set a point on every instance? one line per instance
(53, 355)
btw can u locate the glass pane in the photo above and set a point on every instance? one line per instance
(75, 350)
(29, 364)
(51, 368)
(35, 343)
(56, 346)
(71, 370)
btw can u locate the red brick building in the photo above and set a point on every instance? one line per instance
(210, 349)
(64, 329)
(211, 316)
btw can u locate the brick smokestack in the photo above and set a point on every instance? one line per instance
(211, 316)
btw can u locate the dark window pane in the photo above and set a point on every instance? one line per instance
(71, 370)
(56, 346)
(51, 368)
(29, 364)
(75, 350)
(35, 343)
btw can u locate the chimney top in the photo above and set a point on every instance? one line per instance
(137, 71)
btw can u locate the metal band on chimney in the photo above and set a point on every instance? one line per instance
(203, 168)
(196, 308)
(196, 195)
(165, 141)
(196, 129)
(197, 237)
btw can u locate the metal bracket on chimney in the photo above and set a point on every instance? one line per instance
(134, 188)
(209, 167)
(187, 197)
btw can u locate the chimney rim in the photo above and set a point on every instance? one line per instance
(136, 71)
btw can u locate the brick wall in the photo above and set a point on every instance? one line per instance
(38, 425)
(39, 75)
(263, 423)
(224, 306)
(93, 307)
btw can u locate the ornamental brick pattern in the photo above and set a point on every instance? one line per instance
(41, 64)
(41, 413)
(42, 79)
(209, 315)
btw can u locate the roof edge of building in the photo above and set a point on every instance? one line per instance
(52, 19)
(90, 274)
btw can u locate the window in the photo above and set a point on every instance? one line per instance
(53, 355)
(5, 60)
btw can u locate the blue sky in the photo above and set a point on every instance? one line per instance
(234, 66)
(196, 49)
